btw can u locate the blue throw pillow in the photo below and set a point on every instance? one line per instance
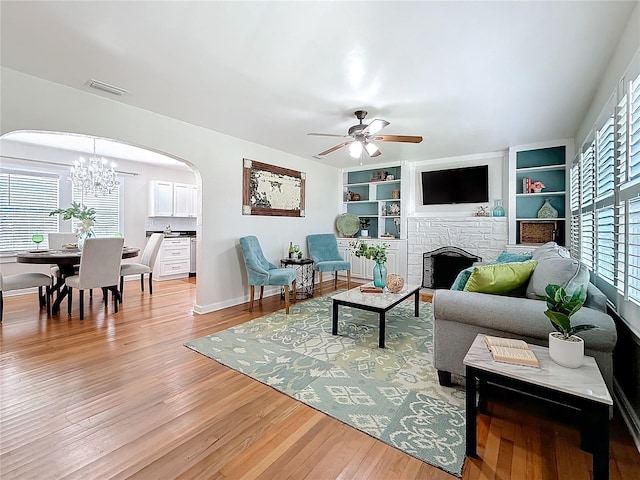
(510, 257)
(462, 279)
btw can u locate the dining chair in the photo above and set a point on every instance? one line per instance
(27, 280)
(56, 241)
(262, 272)
(148, 259)
(99, 268)
(323, 250)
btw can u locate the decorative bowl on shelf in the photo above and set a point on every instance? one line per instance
(347, 224)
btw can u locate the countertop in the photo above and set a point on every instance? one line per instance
(174, 233)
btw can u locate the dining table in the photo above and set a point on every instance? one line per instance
(65, 259)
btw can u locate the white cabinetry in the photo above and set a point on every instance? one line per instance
(168, 199)
(363, 269)
(173, 259)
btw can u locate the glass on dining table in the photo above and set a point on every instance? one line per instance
(37, 238)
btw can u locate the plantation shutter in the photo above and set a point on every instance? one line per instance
(575, 210)
(587, 177)
(622, 141)
(605, 160)
(605, 244)
(634, 130)
(633, 275)
(25, 203)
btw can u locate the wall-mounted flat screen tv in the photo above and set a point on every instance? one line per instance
(456, 185)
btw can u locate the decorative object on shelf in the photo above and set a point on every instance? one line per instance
(536, 232)
(394, 209)
(394, 282)
(547, 210)
(537, 186)
(364, 226)
(387, 235)
(390, 177)
(396, 222)
(377, 253)
(86, 217)
(565, 348)
(93, 178)
(272, 191)
(395, 194)
(482, 212)
(347, 224)
(498, 209)
(355, 197)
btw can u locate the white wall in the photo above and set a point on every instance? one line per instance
(30, 103)
(498, 169)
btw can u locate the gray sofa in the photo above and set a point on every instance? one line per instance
(460, 315)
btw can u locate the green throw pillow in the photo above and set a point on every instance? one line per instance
(500, 278)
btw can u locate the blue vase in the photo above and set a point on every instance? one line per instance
(498, 210)
(380, 275)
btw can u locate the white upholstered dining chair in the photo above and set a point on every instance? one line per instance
(26, 280)
(56, 241)
(149, 255)
(99, 268)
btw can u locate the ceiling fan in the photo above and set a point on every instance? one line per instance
(363, 136)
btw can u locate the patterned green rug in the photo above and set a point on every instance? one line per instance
(391, 394)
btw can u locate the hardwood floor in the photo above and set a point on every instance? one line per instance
(119, 396)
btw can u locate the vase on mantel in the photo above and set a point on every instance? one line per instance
(88, 233)
(380, 275)
(498, 209)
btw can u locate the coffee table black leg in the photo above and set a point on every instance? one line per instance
(417, 306)
(382, 332)
(334, 328)
(471, 412)
(595, 438)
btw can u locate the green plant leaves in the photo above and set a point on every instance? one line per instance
(561, 307)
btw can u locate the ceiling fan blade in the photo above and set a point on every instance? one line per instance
(333, 149)
(328, 135)
(399, 138)
(375, 126)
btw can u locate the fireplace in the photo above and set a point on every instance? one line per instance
(441, 266)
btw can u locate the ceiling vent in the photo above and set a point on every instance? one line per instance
(105, 87)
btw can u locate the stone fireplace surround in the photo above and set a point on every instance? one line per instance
(485, 237)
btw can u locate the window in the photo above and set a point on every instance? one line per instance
(25, 202)
(27, 196)
(107, 210)
(605, 200)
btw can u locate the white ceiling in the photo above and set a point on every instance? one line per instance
(470, 77)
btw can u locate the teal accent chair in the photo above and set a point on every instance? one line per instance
(323, 250)
(262, 272)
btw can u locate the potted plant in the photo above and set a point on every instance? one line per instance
(86, 217)
(377, 253)
(565, 348)
(364, 226)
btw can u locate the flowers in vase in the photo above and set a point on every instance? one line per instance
(86, 215)
(377, 253)
(537, 186)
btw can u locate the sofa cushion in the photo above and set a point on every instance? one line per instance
(553, 268)
(500, 278)
(509, 257)
(462, 279)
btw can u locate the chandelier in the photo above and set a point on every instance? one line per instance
(93, 176)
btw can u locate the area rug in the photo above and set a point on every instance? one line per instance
(391, 394)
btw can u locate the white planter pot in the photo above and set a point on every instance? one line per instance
(364, 233)
(568, 353)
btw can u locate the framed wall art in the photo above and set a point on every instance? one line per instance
(271, 190)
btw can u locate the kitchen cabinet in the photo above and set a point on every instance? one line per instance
(363, 269)
(169, 199)
(174, 259)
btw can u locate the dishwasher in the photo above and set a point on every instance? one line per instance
(192, 263)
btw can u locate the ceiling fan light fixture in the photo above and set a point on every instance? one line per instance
(355, 149)
(372, 150)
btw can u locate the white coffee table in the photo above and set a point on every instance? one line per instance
(581, 388)
(374, 302)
